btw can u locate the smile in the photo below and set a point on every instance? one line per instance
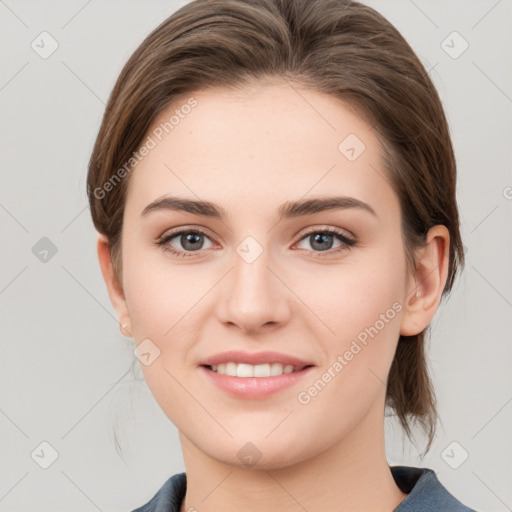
(259, 370)
(254, 382)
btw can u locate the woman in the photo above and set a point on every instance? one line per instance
(273, 184)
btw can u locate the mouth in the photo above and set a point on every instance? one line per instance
(254, 376)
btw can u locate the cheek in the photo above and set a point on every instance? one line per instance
(354, 374)
(362, 304)
(163, 302)
(357, 293)
(150, 305)
(157, 293)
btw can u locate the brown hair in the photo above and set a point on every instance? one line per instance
(339, 47)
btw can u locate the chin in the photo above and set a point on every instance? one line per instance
(259, 455)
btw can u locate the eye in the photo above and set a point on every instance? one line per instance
(190, 240)
(193, 240)
(323, 240)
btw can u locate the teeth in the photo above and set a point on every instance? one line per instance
(249, 370)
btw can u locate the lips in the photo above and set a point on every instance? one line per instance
(254, 376)
(257, 358)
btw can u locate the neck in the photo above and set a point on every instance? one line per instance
(350, 476)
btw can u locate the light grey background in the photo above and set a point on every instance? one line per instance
(65, 368)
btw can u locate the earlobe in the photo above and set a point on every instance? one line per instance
(126, 329)
(428, 282)
(114, 287)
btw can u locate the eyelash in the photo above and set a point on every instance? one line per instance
(347, 242)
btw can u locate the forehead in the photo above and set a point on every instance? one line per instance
(255, 145)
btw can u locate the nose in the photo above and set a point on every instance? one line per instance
(254, 298)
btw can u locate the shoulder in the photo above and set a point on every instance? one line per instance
(425, 491)
(169, 497)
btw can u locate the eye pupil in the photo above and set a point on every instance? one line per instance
(320, 239)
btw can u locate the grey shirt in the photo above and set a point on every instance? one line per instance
(425, 493)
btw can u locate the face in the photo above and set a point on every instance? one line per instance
(304, 267)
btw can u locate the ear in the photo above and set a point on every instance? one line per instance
(114, 287)
(427, 283)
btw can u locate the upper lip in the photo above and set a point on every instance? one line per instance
(265, 357)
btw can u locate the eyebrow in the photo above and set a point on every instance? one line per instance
(290, 209)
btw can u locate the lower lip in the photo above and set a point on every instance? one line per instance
(254, 387)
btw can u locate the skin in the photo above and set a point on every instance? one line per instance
(250, 151)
